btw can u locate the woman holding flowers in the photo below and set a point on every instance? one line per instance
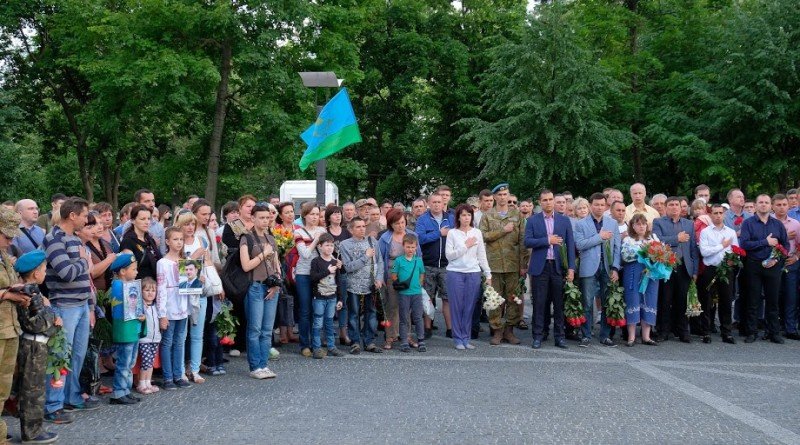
(641, 307)
(283, 232)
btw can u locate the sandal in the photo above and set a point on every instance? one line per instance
(630, 343)
(412, 343)
(355, 349)
(649, 342)
(387, 345)
(373, 349)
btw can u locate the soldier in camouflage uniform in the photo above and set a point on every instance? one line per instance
(39, 322)
(504, 234)
(9, 299)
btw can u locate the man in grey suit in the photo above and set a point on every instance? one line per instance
(598, 242)
(679, 234)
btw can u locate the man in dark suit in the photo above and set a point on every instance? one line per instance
(679, 234)
(545, 233)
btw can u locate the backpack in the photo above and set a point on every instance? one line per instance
(235, 280)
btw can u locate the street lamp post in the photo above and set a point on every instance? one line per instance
(320, 79)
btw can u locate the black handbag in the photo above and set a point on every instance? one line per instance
(404, 285)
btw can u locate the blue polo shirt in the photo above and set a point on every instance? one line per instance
(754, 234)
(404, 268)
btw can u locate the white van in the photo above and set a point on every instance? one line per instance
(306, 190)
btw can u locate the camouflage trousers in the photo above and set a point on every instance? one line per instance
(506, 285)
(32, 364)
(8, 358)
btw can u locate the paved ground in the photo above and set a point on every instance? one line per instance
(673, 393)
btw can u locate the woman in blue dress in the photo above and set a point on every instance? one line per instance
(639, 307)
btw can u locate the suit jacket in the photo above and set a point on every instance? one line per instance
(536, 238)
(591, 246)
(667, 233)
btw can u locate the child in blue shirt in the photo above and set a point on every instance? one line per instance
(125, 334)
(409, 268)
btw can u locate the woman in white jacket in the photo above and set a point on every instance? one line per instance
(466, 256)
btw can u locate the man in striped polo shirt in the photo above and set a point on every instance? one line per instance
(69, 285)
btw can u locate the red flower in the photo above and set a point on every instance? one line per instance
(738, 221)
(64, 371)
(739, 251)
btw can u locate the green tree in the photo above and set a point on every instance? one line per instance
(544, 105)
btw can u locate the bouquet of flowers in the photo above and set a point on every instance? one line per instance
(492, 300)
(226, 324)
(777, 253)
(615, 306)
(693, 308)
(658, 259)
(731, 260)
(284, 239)
(573, 305)
(519, 291)
(58, 358)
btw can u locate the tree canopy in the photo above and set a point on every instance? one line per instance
(99, 98)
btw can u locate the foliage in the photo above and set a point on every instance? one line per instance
(99, 98)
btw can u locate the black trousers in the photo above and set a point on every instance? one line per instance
(672, 304)
(724, 292)
(548, 287)
(767, 281)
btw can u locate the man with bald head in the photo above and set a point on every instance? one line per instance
(31, 236)
(638, 196)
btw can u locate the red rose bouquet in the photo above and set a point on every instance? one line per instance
(59, 355)
(573, 305)
(778, 252)
(615, 306)
(731, 260)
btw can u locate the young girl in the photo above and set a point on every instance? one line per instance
(173, 311)
(148, 345)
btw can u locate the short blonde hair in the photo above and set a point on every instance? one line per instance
(578, 202)
(184, 219)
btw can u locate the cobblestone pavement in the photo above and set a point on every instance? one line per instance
(672, 393)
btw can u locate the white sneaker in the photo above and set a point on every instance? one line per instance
(470, 346)
(235, 353)
(257, 374)
(267, 373)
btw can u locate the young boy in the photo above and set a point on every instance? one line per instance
(38, 322)
(125, 334)
(325, 275)
(409, 269)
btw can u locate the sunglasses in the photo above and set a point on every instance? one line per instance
(512, 202)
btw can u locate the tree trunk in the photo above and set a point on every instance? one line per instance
(633, 42)
(220, 110)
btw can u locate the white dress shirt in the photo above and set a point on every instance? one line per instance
(711, 244)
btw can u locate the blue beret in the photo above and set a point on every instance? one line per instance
(29, 261)
(122, 261)
(500, 187)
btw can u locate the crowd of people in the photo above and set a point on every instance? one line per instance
(373, 274)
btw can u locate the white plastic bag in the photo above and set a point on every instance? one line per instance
(427, 306)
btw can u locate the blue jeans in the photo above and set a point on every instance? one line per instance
(76, 329)
(368, 328)
(789, 297)
(196, 337)
(323, 307)
(591, 288)
(304, 298)
(123, 377)
(172, 350)
(260, 320)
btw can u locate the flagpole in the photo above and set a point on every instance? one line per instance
(320, 79)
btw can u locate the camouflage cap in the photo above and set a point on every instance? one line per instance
(473, 201)
(9, 222)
